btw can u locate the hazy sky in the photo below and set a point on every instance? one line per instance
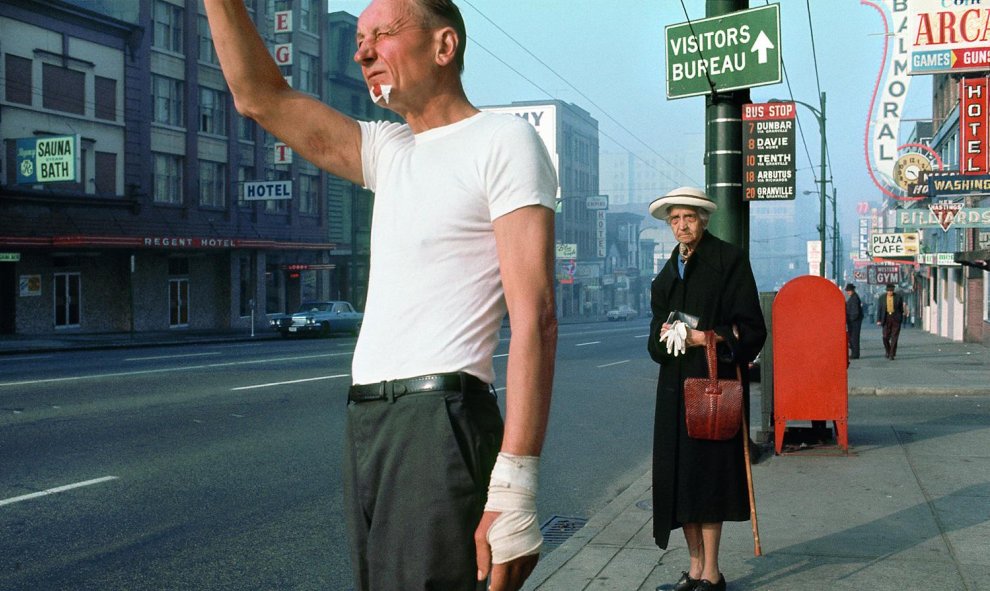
(612, 51)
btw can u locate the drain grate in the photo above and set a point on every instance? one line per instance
(558, 530)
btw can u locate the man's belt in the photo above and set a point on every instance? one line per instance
(392, 389)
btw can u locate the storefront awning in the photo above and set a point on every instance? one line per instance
(159, 243)
(974, 258)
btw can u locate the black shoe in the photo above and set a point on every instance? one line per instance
(685, 583)
(706, 585)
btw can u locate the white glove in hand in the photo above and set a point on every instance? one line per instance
(512, 492)
(675, 338)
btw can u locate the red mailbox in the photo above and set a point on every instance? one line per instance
(810, 379)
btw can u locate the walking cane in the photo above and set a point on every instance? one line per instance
(757, 551)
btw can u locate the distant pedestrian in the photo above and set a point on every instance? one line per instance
(854, 319)
(698, 484)
(890, 315)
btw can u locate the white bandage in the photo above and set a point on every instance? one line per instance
(512, 492)
(385, 89)
(676, 338)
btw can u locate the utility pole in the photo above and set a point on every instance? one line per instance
(723, 150)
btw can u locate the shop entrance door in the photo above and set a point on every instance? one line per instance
(178, 303)
(8, 295)
(67, 300)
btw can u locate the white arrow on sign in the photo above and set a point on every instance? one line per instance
(761, 46)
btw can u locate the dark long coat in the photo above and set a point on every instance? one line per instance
(698, 481)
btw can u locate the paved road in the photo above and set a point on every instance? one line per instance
(217, 466)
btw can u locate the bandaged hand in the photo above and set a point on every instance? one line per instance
(675, 338)
(512, 492)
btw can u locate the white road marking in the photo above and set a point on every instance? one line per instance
(343, 375)
(166, 370)
(640, 336)
(586, 344)
(55, 490)
(19, 358)
(502, 389)
(500, 355)
(611, 364)
(172, 356)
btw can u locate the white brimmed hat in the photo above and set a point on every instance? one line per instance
(690, 196)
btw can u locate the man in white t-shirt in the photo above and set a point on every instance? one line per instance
(462, 233)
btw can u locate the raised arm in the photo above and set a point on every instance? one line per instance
(313, 130)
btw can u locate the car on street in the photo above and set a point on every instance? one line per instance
(320, 319)
(621, 313)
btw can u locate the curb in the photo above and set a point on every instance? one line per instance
(918, 391)
(563, 554)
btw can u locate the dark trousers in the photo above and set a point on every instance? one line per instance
(891, 330)
(416, 474)
(852, 331)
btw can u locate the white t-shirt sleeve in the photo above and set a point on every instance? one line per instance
(376, 136)
(519, 172)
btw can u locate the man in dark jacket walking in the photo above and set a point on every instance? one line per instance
(890, 314)
(854, 319)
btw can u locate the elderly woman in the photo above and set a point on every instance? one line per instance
(698, 484)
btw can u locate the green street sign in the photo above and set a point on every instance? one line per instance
(738, 50)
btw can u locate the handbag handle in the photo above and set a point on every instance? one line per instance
(710, 355)
(713, 358)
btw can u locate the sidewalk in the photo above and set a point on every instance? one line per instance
(907, 509)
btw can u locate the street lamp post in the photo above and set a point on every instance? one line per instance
(820, 116)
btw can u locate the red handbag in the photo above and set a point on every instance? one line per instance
(713, 407)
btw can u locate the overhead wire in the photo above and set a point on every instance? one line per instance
(579, 92)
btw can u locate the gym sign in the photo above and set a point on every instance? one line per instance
(47, 160)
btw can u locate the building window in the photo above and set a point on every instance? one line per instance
(245, 129)
(106, 173)
(166, 100)
(309, 185)
(63, 89)
(309, 73)
(166, 179)
(207, 52)
(18, 79)
(166, 26)
(245, 174)
(106, 98)
(277, 205)
(309, 16)
(212, 111)
(212, 184)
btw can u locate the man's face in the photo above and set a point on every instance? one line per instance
(394, 50)
(686, 224)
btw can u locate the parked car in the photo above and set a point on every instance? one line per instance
(319, 318)
(621, 313)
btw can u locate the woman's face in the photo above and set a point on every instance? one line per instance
(686, 224)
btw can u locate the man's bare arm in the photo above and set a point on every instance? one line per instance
(313, 130)
(525, 250)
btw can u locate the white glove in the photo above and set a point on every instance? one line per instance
(512, 492)
(675, 338)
